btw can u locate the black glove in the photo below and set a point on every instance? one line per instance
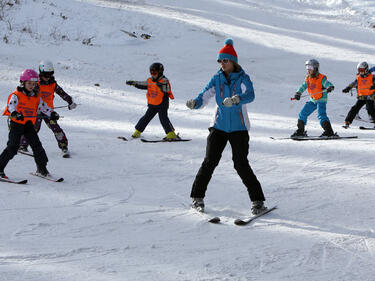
(330, 89)
(130, 82)
(372, 87)
(54, 116)
(17, 115)
(346, 90)
(297, 96)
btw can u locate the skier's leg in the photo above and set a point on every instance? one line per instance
(216, 142)
(370, 109)
(32, 138)
(15, 133)
(354, 110)
(23, 141)
(60, 136)
(306, 111)
(164, 120)
(145, 119)
(240, 149)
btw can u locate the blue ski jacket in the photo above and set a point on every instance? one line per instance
(228, 119)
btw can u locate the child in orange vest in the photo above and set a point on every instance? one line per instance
(48, 87)
(24, 105)
(365, 85)
(318, 87)
(158, 95)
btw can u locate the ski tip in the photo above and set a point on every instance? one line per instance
(122, 138)
(22, 182)
(60, 180)
(214, 220)
(239, 222)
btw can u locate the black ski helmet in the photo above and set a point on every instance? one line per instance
(158, 67)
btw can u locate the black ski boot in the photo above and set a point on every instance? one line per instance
(43, 171)
(257, 207)
(198, 204)
(328, 132)
(300, 130)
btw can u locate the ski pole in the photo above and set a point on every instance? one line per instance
(308, 95)
(62, 106)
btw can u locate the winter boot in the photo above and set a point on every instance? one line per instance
(136, 134)
(257, 207)
(300, 132)
(198, 204)
(65, 152)
(43, 171)
(328, 132)
(171, 136)
(346, 124)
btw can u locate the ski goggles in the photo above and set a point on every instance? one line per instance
(309, 67)
(361, 69)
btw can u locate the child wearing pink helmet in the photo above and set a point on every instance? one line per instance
(23, 107)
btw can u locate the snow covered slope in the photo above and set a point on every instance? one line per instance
(122, 212)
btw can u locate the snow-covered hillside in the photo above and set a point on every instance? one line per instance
(122, 212)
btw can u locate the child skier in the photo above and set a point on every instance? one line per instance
(48, 87)
(232, 89)
(23, 106)
(158, 94)
(317, 86)
(365, 85)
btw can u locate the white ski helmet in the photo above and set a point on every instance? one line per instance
(363, 65)
(46, 66)
(312, 63)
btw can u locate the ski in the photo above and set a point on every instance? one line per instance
(305, 138)
(66, 154)
(122, 138)
(13, 181)
(163, 140)
(28, 153)
(201, 212)
(366, 128)
(49, 177)
(247, 221)
(322, 138)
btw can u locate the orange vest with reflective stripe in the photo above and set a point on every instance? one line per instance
(48, 93)
(314, 86)
(28, 106)
(154, 94)
(364, 84)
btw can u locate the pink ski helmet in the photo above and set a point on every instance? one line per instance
(29, 75)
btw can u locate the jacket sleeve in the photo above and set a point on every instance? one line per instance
(208, 92)
(302, 88)
(326, 83)
(141, 85)
(63, 94)
(372, 69)
(44, 108)
(353, 84)
(247, 89)
(13, 102)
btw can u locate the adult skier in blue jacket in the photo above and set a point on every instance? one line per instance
(232, 89)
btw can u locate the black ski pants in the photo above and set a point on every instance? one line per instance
(152, 110)
(216, 142)
(357, 107)
(16, 130)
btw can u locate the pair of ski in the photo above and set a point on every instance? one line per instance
(217, 220)
(305, 138)
(156, 140)
(49, 177)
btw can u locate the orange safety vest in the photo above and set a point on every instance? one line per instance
(154, 94)
(314, 86)
(364, 84)
(48, 93)
(28, 106)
